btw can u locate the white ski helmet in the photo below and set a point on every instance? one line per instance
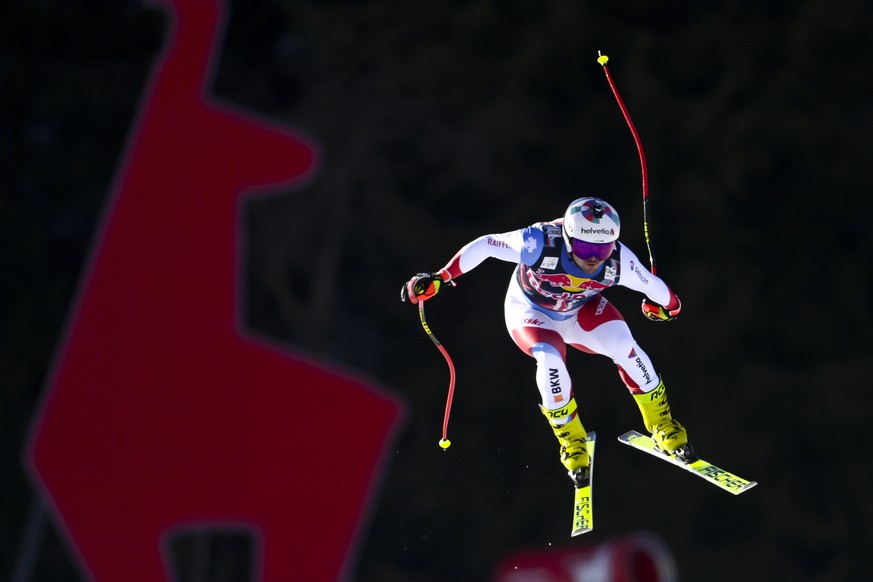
(591, 220)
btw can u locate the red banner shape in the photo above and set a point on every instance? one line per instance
(161, 414)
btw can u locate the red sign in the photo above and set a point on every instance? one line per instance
(161, 413)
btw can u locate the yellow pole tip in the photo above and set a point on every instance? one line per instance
(602, 59)
(445, 443)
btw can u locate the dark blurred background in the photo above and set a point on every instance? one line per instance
(442, 120)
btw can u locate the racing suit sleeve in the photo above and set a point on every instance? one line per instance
(635, 275)
(504, 246)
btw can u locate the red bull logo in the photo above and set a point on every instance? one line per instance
(569, 282)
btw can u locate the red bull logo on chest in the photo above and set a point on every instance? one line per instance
(568, 282)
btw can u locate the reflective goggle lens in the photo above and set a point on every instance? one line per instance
(586, 250)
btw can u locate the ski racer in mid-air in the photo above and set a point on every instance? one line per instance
(554, 300)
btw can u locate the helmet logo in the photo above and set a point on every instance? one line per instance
(593, 211)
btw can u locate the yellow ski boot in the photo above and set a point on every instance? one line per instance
(572, 437)
(668, 434)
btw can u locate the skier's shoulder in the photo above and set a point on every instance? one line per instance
(544, 229)
(537, 237)
(625, 254)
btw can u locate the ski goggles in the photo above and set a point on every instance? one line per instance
(586, 250)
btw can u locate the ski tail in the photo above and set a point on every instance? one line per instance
(583, 508)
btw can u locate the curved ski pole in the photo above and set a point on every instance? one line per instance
(602, 59)
(444, 442)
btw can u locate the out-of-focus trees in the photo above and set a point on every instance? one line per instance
(440, 121)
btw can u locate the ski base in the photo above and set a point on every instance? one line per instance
(583, 510)
(703, 469)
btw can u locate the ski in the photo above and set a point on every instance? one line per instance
(583, 511)
(715, 475)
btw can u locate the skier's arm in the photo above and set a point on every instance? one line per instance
(662, 304)
(505, 246)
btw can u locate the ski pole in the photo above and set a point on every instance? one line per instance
(444, 442)
(603, 59)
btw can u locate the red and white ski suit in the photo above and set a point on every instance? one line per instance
(552, 303)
